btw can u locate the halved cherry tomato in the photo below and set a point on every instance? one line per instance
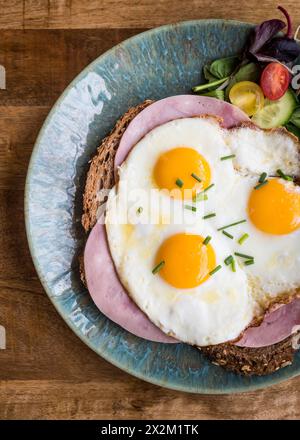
(248, 96)
(274, 81)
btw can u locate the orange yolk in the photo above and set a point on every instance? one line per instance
(275, 208)
(180, 163)
(187, 260)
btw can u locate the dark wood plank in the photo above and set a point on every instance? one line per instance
(117, 396)
(71, 14)
(41, 63)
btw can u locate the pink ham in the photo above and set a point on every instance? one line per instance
(175, 107)
(276, 326)
(108, 293)
(103, 283)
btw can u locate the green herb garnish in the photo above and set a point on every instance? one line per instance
(158, 267)
(231, 156)
(227, 234)
(201, 194)
(248, 262)
(233, 265)
(260, 185)
(191, 208)
(208, 187)
(179, 183)
(199, 197)
(139, 210)
(248, 257)
(215, 270)
(243, 238)
(213, 214)
(196, 177)
(228, 260)
(262, 177)
(231, 224)
(284, 176)
(207, 240)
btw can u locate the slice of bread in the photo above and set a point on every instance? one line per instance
(248, 361)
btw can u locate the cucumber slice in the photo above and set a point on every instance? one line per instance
(276, 113)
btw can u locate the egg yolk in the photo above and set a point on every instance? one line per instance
(275, 207)
(179, 164)
(187, 260)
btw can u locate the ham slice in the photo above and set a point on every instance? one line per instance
(175, 107)
(104, 286)
(276, 326)
(108, 293)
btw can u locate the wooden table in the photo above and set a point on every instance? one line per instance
(46, 371)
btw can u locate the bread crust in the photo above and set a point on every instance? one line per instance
(252, 361)
(101, 171)
(243, 360)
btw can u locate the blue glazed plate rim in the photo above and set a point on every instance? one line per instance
(172, 385)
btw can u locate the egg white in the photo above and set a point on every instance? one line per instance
(219, 309)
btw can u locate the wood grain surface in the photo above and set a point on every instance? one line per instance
(45, 370)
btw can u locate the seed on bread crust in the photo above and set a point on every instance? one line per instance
(251, 361)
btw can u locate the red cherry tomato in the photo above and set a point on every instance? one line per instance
(274, 81)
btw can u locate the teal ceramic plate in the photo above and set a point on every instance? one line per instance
(155, 64)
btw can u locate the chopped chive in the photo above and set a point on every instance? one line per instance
(261, 184)
(284, 176)
(231, 156)
(248, 257)
(199, 197)
(215, 270)
(191, 208)
(231, 224)
(209, 186)
(158, 267)
(233, 265)
(207, 240)
(196, 177)
(139, 210)
(201, 194)
(227, 234)
(213, 214)
(262, 177)
(243, 238)
(248, 262)
(228, 260)
(179, 183)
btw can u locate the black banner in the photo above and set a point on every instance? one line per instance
(135, 429)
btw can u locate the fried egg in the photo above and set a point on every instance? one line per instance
(167, 227)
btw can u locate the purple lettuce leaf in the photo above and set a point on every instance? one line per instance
(281, 49)
(262, 34)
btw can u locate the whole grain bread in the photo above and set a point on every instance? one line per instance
(101, 170)
(243, 360)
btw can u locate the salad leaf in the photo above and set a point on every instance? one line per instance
(279, 49)
(219, 94)
(289, 31)
(263, 33)
(248, 72)
(265, 46)
(209, 85)
(295, 119)
(208, 75)
(223, 67)
(293, 129)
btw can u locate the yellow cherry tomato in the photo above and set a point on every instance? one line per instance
(248, 96)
